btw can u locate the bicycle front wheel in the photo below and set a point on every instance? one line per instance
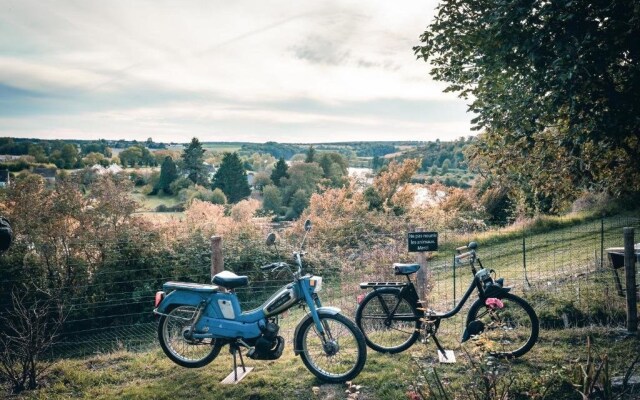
(384, 330)
(510, 331)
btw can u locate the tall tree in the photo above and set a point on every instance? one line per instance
(69, 155)
(193, 158)
(279, 172)
(554, 85)
(335, 168)
(311, 155)
(301, 176)
(231, 178)
(168, 174)
(272, 199)
(37, 151)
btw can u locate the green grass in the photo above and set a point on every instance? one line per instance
(150, 375)
(562, 260)
(150, 203)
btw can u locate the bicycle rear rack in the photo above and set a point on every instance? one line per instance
(365, 285)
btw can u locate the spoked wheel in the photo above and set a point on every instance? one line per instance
(340, 357)
(383, 334)
(510, 331)
(175, 339)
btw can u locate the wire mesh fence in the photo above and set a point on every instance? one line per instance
(564, 273)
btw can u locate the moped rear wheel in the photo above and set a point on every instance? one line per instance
(338, 358)
(178, 345)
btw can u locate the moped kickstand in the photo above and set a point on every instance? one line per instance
(235, 350)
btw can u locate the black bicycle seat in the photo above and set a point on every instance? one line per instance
(405, 269)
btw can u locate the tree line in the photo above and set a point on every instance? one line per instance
(554, 90)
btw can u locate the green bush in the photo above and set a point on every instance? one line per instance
(179, 184)
(218, 197)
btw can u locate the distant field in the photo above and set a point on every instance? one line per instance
(150, 203)
(222, 147)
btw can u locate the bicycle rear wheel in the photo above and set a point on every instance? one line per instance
(510, 331)
(383, 334)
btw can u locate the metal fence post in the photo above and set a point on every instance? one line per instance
(524, 257)
(630, 273)
(601, 242)
(454, 280)
(217, 261)
(421, 276)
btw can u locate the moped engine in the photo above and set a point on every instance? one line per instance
(269, 345)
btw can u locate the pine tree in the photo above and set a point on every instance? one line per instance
(279, 172)
(168, 174)
(311, 155)
(193, 158)
(231, 178)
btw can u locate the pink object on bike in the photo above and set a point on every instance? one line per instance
(360, 298)
(494, 303)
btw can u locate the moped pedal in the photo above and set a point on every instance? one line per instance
(251, 352)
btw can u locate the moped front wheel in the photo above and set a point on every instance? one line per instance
(338, 355)
(174, 334)
(508, 331)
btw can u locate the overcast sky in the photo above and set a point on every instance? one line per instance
(303, 71)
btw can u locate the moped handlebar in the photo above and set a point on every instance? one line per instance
(470, 246)
(465, 255)
(273, 266)
(469, 254)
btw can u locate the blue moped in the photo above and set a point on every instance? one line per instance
(197, 320)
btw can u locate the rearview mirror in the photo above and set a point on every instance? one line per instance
(307, 225)
(271, 238)
(6, 234)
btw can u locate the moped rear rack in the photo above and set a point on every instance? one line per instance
(158, 313)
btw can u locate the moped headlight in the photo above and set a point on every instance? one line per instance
(316, 283)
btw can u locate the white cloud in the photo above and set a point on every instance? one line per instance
(225, 67)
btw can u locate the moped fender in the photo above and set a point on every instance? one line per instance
(328, 310)
(321, 311)
(182, 297)
(496, 291)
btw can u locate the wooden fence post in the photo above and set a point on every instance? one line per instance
(421, 275)
(630, 273)
(217, 261)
